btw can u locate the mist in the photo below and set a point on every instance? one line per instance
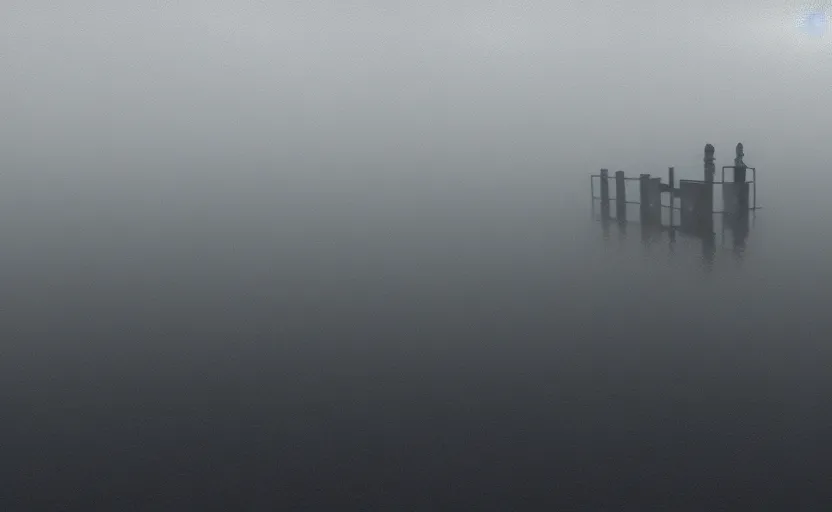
(358, 83)
(334, 255)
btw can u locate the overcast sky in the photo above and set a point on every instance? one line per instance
(341, 81)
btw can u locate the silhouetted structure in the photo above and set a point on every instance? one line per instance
(696, 208)
(620, 197)
(739, 165)
(736, 193)
(605, 194)
(710, 169)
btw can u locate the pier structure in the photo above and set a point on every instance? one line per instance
(689, 209)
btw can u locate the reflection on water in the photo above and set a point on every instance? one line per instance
(724, 231)
(467, 347)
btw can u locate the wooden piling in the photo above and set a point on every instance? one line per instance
(740, 185)
(739, 165)
(605, 193)
(655, 195)
(710, 169)
(650, 199)
(644, 197)
(605, 185)
(644, 209)
(671, 185)
(620, 197)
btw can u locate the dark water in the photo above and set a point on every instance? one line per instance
(402, 341)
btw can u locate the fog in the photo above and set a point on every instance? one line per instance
(335, 255)
(572, 86)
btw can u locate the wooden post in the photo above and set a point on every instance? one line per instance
(710, 169)
(655, 192)
(671, 184)
(644, 208)
(620, 197)
(705, 207)
(740, 185)
(651, 199)
(605, 193)
(644, 197)
(739, 165)
(738, 218)
(605, 185)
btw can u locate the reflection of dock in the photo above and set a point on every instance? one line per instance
(690, 207)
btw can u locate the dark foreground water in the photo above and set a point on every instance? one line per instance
(433, 341)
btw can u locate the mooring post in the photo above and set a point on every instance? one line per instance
(605, 193)
(739, 165)
(651, 199)
(710, 169)
(738, 218)
(706, 206)
(644, 197)
(620, 197)
(740, 185)
(671, 184)
(605, 185)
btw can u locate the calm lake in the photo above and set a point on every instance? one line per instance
(361, 340)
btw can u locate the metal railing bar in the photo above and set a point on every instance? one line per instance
(613, 178)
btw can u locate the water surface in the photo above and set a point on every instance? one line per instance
(173, 341)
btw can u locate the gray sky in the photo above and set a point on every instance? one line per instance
(318, 82)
